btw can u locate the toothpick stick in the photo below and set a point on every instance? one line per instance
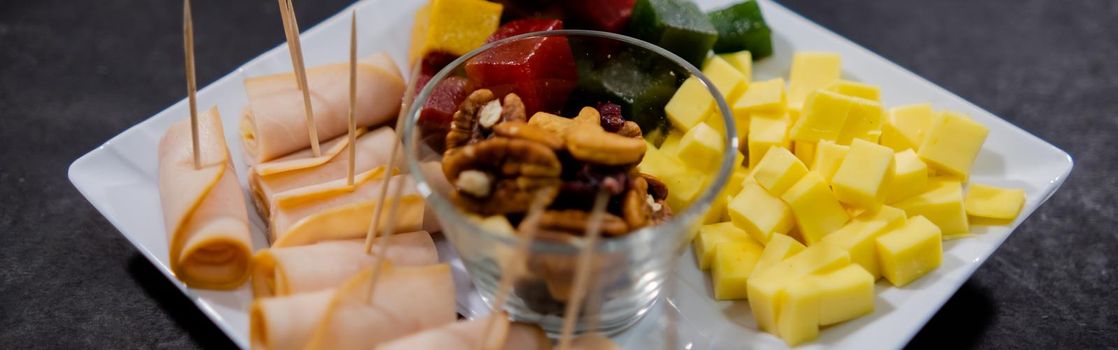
(291, 30)
(352, 97)
(582, 271)
(512, 266)
(191, 84)
(390, 226)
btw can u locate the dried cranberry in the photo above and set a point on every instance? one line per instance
(611, 116)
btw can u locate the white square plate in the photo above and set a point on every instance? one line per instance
(119, 179)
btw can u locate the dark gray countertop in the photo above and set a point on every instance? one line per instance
(75, 73)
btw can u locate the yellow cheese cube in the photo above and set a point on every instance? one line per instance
(952, 143)
(856, 89)
(815, 208)
(861, 177)
(910, 177)
(765, 131)
(759, 213)
(731, 268)
(714, 120)
(701, 148)
(737, 180)
(858, 238)
(845, 294)
(805, 151)
(727, 79)
(994, 202)
(711, 235)
(778, 170)
(910, 251)
(872, 136)
(823, 118)
(453, 26)
(799, 312)
(683, 182)
(761, 96)
(717, 210)
(779, 247)
(828, 158)
(690, 105)
(767, 286)
(942, 204)
(670, 145)
(811, 71)
(865, 117)
(904, 126)
(742, 61)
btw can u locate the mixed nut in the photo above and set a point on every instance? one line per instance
(499, 161)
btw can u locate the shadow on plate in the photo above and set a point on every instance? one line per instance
(960, 323)
(181, 310)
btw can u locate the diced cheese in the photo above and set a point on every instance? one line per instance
(767, 286)
(815, 208)
(684, 183)
(725, 77)
(716, 211)
(856, 89)
(690, 105)
(823, 118)
(759, 213)
(994, 202)
(714, 120)
(799, 312)
(761, 96)
(858, 238)
(828, 158)
(765, 131)
(861, 177)
(701, 148)
(778, 170)
(904, 126)
(711, 235)
(778, 248)
(811, 71)
(845, 294)
(737, 180)
(742, 61)
(910, 251)
(865, 117)
(805, 151)
(733, 263)
(942, 204)
(670, 146)
(910, 177)
(952, 143)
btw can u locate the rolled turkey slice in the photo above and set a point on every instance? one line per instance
(325, 265)
(407, 300)
(274, 124)
(468, 335)
(336, 211)
(287, 323)
(203, 209)
(301, 169)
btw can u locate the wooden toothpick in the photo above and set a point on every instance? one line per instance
(352, 97)
(390, 226)
(582, 270)
(191, 84)
(291, 30)
(511, 269)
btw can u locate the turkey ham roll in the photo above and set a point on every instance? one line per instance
(301, 169)
(274, 123)
(203, 208)
(337, 211)
(325, 265)
(470, 335)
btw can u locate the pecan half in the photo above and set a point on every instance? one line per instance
(514, 169)
(523, 130)
(656, 188)
(478, 113)
(576, 222)
(634, 206)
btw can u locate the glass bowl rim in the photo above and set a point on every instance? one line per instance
(646, 234)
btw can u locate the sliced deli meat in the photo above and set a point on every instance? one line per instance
(203, 208)
(326, 265)
(274, 123)
(469, 335)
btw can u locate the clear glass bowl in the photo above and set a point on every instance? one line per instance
(629, 271)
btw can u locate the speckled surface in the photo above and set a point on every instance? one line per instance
(75, 73)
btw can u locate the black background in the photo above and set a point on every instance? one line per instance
(75, 73)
